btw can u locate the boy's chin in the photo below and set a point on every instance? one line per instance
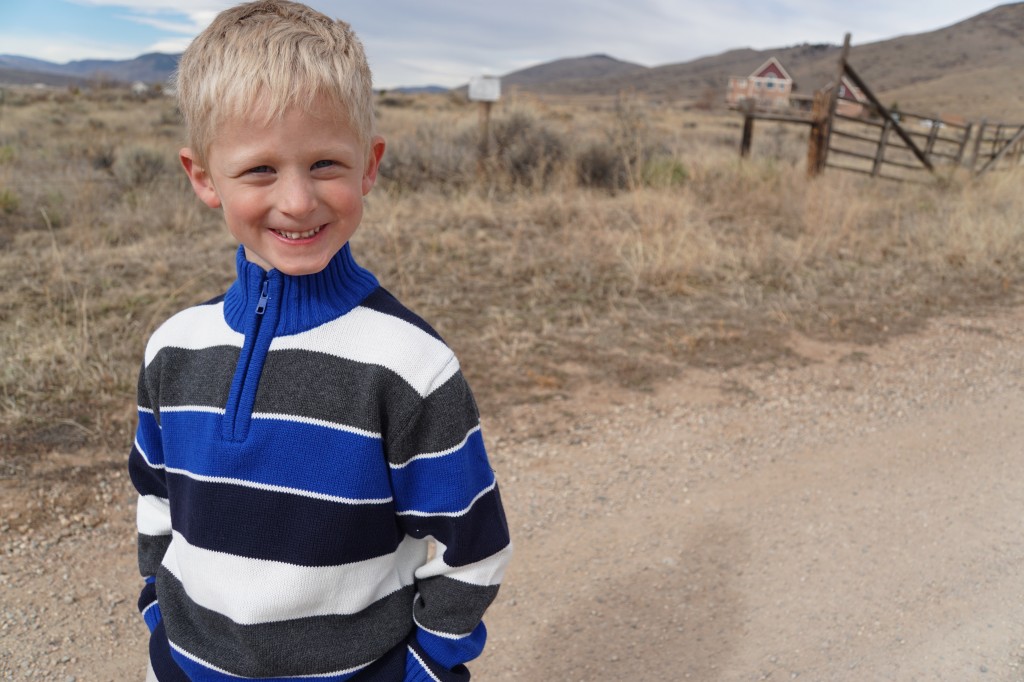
(295, 268)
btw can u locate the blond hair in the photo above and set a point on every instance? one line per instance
(259, 59)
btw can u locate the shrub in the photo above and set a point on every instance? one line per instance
(137, 167)
(526, 151)
(431, 158)
(8, 201)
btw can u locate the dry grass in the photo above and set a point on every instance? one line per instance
(542, 277)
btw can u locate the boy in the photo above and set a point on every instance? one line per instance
(303, 438)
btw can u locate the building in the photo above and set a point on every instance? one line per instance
(768, 87)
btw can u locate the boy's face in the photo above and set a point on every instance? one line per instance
(291, 190)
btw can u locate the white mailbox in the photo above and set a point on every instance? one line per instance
(485, 88)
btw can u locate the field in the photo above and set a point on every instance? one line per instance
(605, 245)
(604, 242)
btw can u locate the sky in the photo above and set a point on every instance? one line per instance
(446, 42)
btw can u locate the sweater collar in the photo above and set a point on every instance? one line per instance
(299, 302)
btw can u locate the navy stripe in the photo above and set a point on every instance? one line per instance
(300, 646)
(261, 524)
(146, 479)
(147, 596)
(160, 657)
(303, 457)
(478, 534)
(382, 301)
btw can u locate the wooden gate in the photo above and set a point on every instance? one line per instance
(890, 144)
(879, 142)
(995, 144)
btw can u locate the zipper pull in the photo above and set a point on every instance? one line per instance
(261, 307)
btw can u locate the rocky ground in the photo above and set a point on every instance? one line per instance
(853, 513)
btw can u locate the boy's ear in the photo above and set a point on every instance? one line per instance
(372, 163)
(201, 181)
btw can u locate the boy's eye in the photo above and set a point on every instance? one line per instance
(261, 169)
(325, 163)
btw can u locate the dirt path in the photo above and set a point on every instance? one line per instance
(854, 516)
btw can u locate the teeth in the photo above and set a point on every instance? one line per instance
(299, 235)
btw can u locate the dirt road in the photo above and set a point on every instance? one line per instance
(855, 514)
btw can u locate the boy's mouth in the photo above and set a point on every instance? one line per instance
(299, 235)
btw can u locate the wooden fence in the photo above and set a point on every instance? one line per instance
(891, 144)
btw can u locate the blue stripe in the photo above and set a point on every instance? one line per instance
(451, 652)
(302, 457)
(470, 538)
(280, 527)
(447, 484)
(148, 435)
(382, 301)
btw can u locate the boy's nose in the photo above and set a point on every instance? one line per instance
(296, 197)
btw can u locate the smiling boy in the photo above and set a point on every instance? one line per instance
(304, 439)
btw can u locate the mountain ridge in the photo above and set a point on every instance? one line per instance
(919, 69)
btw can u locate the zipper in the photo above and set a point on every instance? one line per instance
(261, 306)
(238, 412)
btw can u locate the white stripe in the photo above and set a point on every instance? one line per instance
(421, 360)
(164, 409)
(484, 573)
(196, 659)
(138, 446)
(439, 453)
(153, 515)
(414, 512)
(423, 665)
(145, 410)
(315, 422)
(148, 607)
(277, 488)
(194, 329)
(250, 591)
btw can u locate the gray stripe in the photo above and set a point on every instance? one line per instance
(142, 391)
(445, 417)
(192, 377)
(151, 552)
(311, 384)
(451, 606)
(303, 646)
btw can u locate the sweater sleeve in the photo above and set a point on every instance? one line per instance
(444, 489)
(147, 470)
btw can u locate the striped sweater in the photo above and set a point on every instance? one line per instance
(315, 500)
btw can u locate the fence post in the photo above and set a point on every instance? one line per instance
(963, 144)
(484, 146)
(977, 144)
(748, 128)
(883, 140)
(932, 134)
(816, 139)
(833, 102)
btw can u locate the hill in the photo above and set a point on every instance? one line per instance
(154, 67)
(563, 72)
(970, 68)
